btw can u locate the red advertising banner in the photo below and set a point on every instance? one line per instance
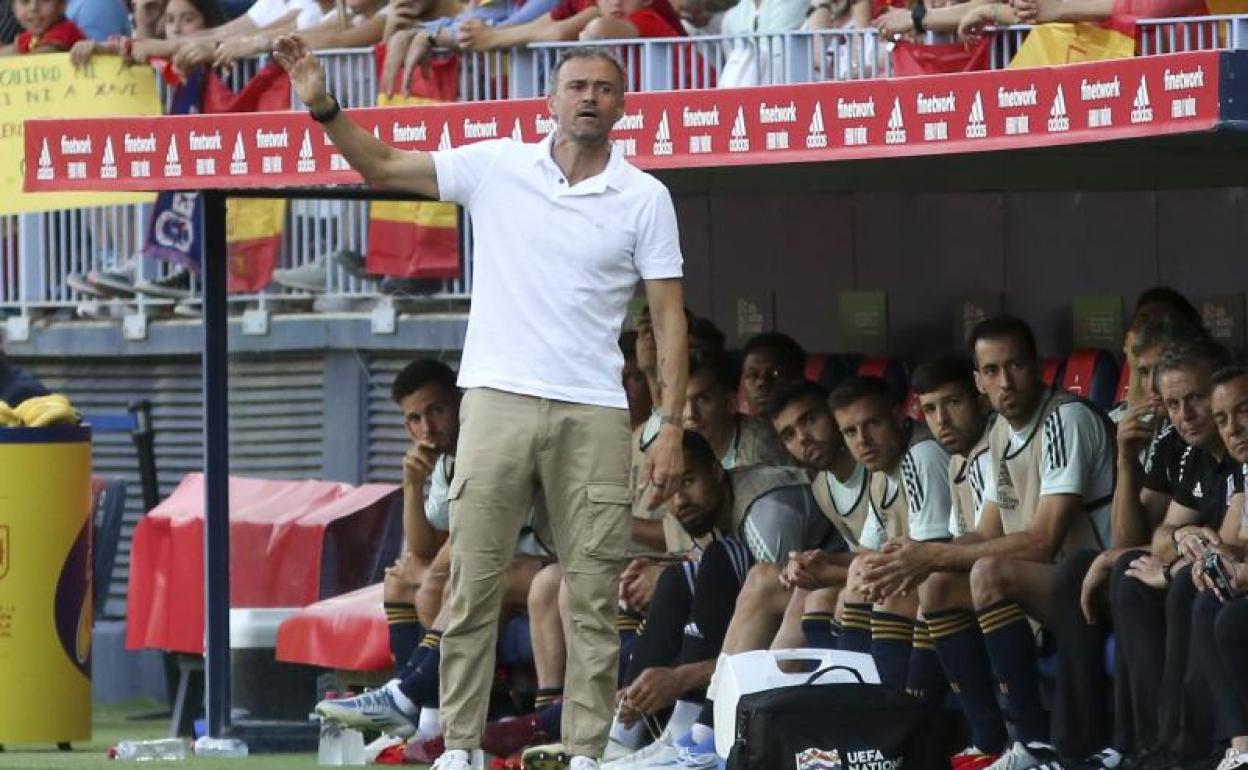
(970, 112)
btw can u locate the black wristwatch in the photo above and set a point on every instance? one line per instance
(329, 114)
(917, 14)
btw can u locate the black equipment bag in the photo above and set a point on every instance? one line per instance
(837, 726)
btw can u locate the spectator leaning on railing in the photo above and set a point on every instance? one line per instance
(414, 29)
(152, 20)
(565, 21)
(362, 26)
(1043, 11)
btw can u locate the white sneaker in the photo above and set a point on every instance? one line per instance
(583, 763)
(374, 709)
(458, 759)
(1234, 760)
(311, 277)
(1017, 757)
(691, 760)
(663, 751)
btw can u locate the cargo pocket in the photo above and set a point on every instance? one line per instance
(454, 498)
(608, 523)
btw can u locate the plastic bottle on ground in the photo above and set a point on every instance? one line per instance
(159, 750)
(220, 747)
(329, 749)
(353, 747)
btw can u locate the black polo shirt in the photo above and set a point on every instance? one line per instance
(1205, 483)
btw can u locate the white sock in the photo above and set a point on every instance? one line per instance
(628, 736)
(702, 733)
(402, 701)
(684, 714)
(430, 723)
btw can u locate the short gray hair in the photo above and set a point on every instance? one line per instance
(1202, 351)
(588, 52)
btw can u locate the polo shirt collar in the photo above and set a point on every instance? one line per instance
(608, 177)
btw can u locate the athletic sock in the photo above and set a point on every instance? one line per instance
(684, 714)
(548, 705)
(960, 647)
(430, 723)
(855, 627)
(817, 628)
(1011, 646)
(547, 697)
(926, 679)
(400, 699)
(421, 684)
(891, 637)
(628, 625)
(550, 720)
(405, 631)
(629, 737)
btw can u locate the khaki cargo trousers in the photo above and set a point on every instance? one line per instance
(511, 448)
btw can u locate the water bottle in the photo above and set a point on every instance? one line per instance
(220, 747)
(353, 747)
(329, 749)
(161, 750)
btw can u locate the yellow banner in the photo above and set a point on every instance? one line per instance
(45, 586)
(48, 86)
(1050, 45)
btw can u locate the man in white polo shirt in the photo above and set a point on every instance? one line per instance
(564, 230)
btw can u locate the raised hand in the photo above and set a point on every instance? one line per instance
(307, 76)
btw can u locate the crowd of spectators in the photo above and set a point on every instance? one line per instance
(410, 31)
(183, 36)
(994, 528)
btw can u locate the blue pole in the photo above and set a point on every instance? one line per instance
(216, 468)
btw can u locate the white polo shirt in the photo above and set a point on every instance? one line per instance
(554, 267)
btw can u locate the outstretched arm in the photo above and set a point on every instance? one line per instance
(380, 164)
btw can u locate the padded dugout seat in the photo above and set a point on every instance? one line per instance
(1052, 371)
(1093, 374)
(889, 369)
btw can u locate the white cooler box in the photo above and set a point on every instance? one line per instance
(749, 672)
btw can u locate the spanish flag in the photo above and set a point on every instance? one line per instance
(416, 239)
(1048, 45)
(253, 226)
(1057, 44)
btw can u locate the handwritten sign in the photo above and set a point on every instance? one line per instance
(48, 86)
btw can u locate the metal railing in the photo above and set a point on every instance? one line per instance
(1195, 33)
(39, 252)
(43, 255)
(1004, 42)
(685, 63)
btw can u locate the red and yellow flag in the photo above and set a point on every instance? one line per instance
(417, 239)
(1049, 45)
(253, 225)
